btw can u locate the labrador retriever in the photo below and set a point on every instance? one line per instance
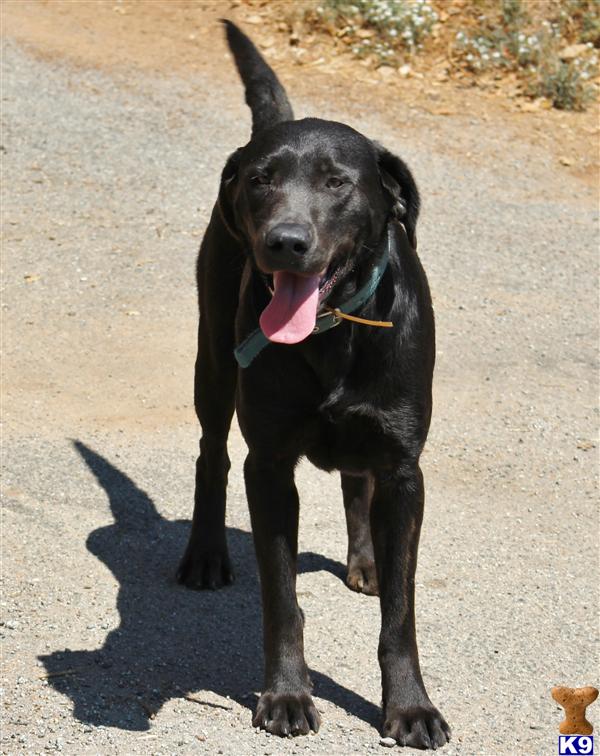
(316, 325)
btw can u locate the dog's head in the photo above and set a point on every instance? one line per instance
(312, 198)
(307, 193)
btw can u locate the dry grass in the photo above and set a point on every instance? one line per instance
(543, 48)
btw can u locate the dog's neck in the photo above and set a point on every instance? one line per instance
(354, 274)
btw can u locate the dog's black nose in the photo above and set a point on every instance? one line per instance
(289, 238)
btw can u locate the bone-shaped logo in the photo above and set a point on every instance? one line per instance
(575, 701)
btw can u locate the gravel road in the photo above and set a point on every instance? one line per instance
(108, 183)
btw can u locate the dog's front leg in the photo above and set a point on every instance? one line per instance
(205, 563)
(396, 514)
(286, 706)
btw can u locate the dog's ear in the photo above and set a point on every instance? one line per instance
(226, 191)
(400, 185)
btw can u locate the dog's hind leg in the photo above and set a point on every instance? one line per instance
(358, 492)
(205, 563)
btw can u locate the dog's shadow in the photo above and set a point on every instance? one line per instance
(171, 642)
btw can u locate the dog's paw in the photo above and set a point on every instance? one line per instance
(204, 571)
(417, 726)
(286, 714)
(362, 576)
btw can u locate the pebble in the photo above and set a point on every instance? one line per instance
(387, 742)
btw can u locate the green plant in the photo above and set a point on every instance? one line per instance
(512, 13)
(564, 84)
(582, 16)
(381, 27)
(510, 40)
(548, 46)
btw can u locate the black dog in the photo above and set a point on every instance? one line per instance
(315, 221)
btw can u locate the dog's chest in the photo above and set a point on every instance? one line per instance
(353, 437)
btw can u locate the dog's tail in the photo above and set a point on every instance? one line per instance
(265, 95)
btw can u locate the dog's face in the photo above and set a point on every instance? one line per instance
(309, 194)
(310, 200)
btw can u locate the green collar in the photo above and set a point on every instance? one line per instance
(253, 344)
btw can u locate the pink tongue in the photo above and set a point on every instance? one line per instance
(291, 314)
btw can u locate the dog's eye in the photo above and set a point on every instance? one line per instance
(334, 182)
(262, 179)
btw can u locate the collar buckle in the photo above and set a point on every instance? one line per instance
(330, 320)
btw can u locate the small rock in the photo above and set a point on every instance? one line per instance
(541, 103)
(573, 51)
(386, 71)
(387, 742)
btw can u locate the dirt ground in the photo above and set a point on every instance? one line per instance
(117, 117)
(165, 37)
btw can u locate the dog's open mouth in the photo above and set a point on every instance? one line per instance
(291, 314)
